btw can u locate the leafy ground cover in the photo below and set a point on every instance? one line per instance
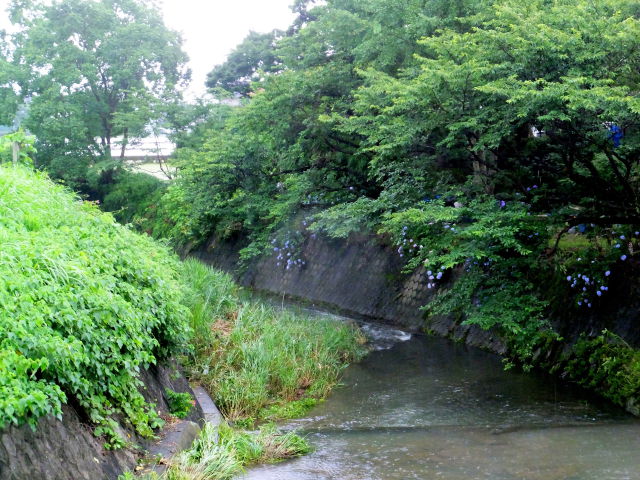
(85, 303)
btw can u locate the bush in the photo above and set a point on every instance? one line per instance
(86, 303)
(130, 194)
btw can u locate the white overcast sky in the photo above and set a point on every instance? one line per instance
(212, 28)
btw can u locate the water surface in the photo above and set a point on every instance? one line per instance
(426, 408)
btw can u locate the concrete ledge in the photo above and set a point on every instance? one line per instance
(211, 413)
(181, 435)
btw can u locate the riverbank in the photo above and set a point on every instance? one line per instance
(93, 316)
(598, 350)
(257, 361)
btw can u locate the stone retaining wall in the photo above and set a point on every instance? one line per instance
(360, 277)
(68, 450)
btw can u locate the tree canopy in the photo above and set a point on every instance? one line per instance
(496, 137)
(255, 56)
(91, 71)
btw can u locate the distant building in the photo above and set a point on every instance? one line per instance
(148, 155)
(144, 149)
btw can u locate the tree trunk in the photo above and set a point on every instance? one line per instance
(125, 141)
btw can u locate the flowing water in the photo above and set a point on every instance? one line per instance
(426, 408)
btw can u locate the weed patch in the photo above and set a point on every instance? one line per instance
(260, 362)
(219, 453)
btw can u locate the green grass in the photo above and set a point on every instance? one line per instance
(256, 359)
(219, 453)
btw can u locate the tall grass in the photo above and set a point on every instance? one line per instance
(254, 358)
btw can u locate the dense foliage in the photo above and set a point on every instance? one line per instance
(84, 305)
(494, 139)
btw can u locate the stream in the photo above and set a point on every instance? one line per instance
(426, 408)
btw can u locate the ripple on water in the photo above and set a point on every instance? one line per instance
(425, 408)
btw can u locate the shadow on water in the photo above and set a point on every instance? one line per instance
(427, 408)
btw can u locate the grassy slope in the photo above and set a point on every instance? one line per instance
(84, 302)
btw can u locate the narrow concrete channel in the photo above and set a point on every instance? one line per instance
(180, 435)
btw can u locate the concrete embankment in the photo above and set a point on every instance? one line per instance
(359, 277)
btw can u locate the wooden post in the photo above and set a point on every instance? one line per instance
(16, 152)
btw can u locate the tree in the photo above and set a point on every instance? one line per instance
(255, 56)
(94, 70)
(475, 133)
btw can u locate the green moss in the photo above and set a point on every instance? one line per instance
(294, 409)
